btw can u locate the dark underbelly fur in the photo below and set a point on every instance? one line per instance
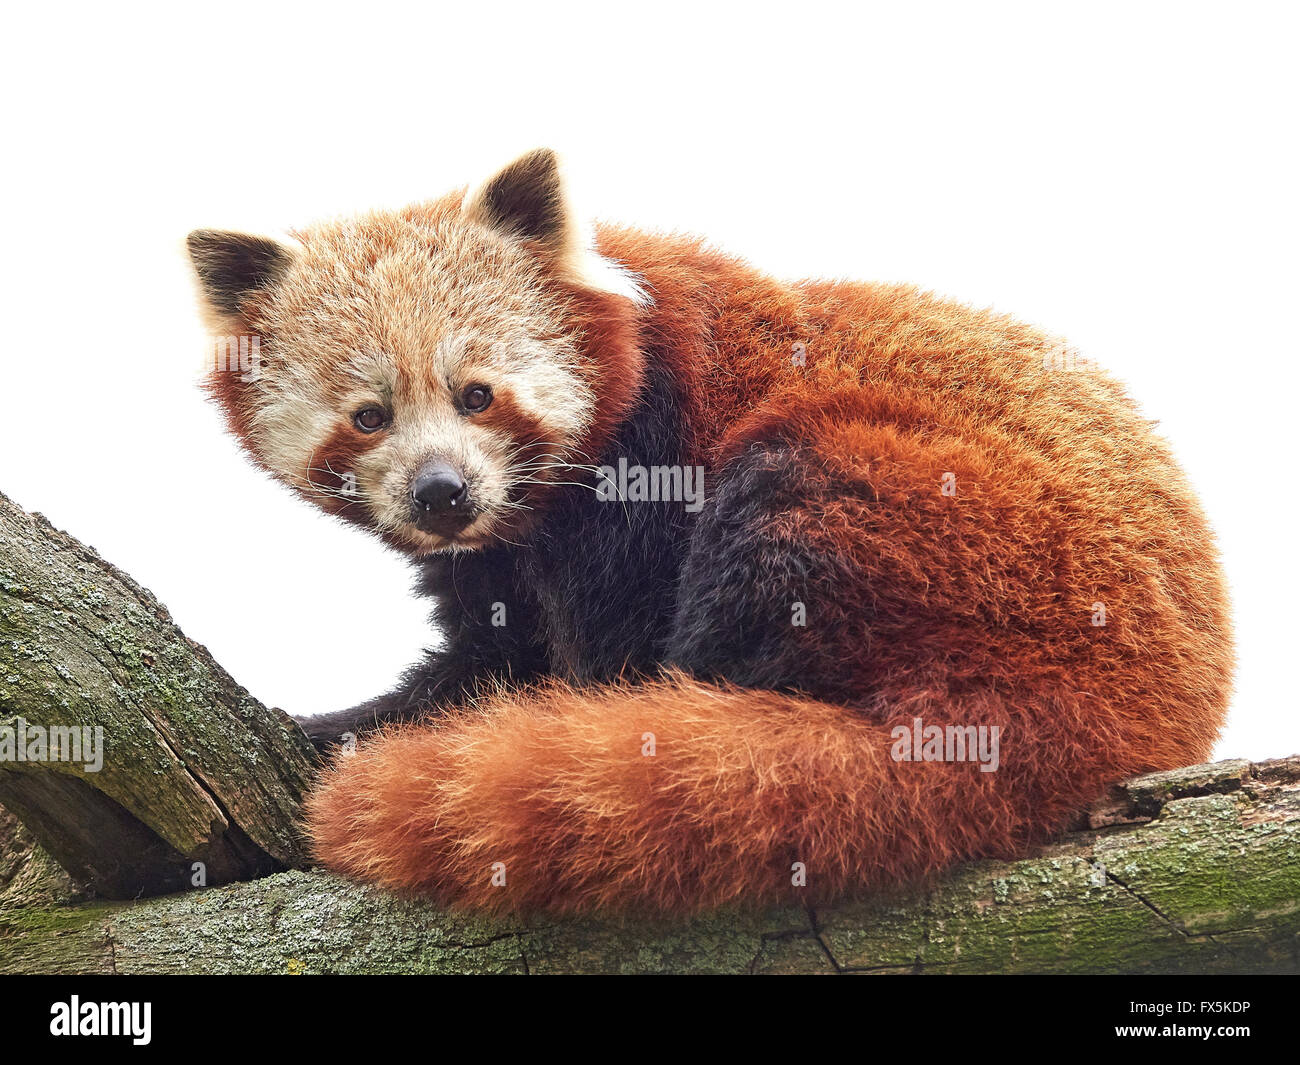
(604, 573)
(590, 597)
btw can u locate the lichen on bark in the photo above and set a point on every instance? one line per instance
(1196, 870)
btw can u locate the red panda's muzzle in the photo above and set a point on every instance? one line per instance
(441, 502)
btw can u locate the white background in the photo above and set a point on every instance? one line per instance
(1124, 174)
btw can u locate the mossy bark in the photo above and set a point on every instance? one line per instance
(194, 768)
(1196, 870)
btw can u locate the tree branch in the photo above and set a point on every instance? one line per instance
(1196, 870)
(194, 768)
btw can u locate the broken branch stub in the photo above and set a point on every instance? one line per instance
(194, 769)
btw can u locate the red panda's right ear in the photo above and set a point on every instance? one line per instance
(230, 266)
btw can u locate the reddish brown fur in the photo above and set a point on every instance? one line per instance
(607, 328)
(972, 609)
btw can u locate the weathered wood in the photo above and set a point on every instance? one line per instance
(1192, 871)
(28, 875)
(194, 768)
(1196, 870)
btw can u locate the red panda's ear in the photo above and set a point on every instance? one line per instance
(229, 266)
(527, 200)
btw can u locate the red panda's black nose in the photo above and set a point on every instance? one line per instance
(439, 489)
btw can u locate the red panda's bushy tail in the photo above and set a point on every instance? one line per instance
(676, 796)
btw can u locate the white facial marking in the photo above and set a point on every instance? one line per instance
(405, 313)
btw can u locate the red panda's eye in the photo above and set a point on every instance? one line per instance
(370, 419)
(476, 398)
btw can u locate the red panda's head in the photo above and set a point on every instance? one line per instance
(431, 373)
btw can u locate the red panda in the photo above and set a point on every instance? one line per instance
(751, 590)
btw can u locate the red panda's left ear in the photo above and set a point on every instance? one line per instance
(230, 266)
(528, 200)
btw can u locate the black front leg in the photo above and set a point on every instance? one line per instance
(437, 682)
(491, 629)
